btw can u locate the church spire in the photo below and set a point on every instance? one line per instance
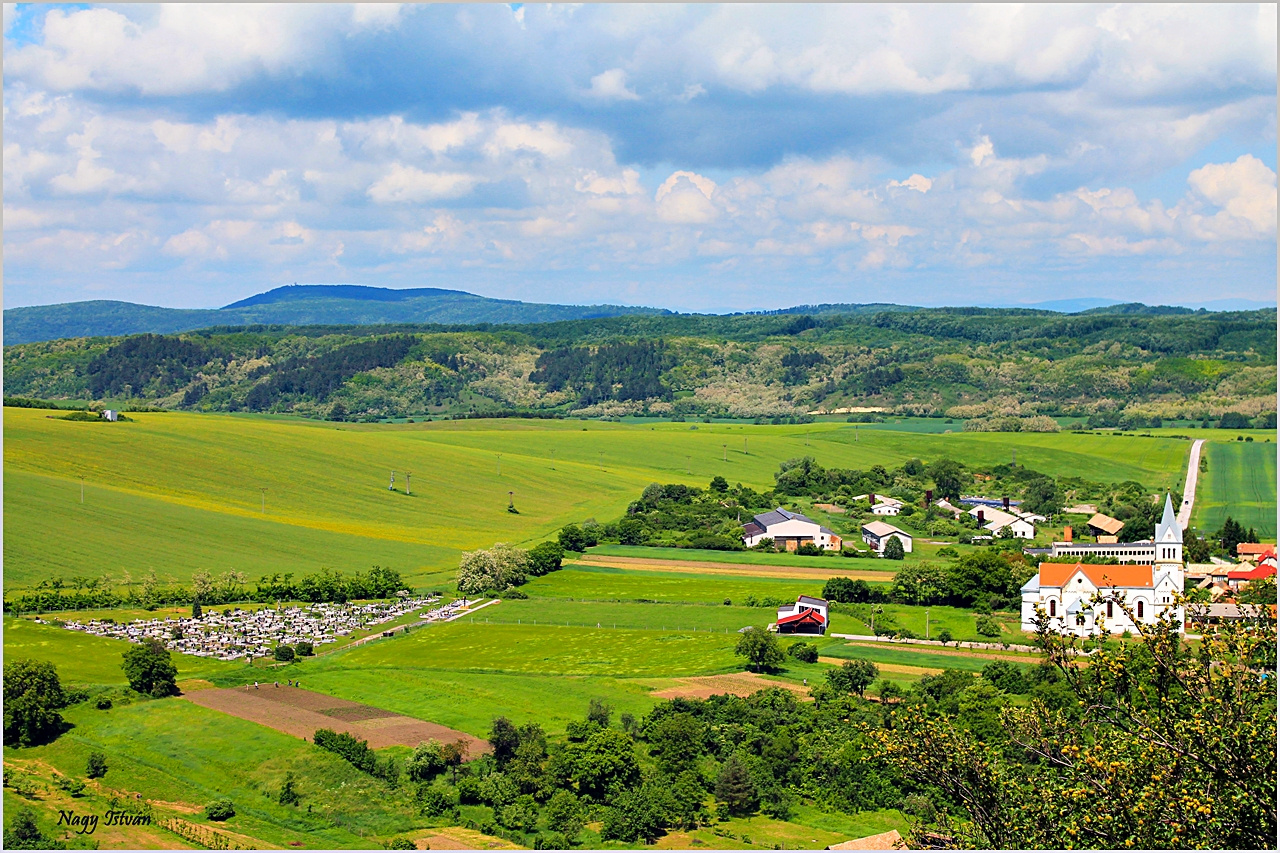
(1168, 530)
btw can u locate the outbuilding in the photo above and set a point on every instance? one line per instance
(878, 533)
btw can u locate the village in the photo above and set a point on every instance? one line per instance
(236, 633)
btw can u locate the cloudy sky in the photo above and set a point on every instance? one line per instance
(690, 157)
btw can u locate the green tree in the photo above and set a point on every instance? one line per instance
(599, 712)
(572, 538)
(150, 669)
(426, 762)
(986, 626)
(1174, 743)
(948, 478)
(435, 800)
(564, 815)
(304, 649)
(401, 843)
(761, 650)
(677, 742)
(919, 583)
(33, 696)
(545, 558)
(978, 576)
(893, 549)
(1006, 676)
(96, 766)
(944, 636)
(604, 762)
(504, 738)
(853, 676)
(284, 654)
(719, 484)
(1042, 496)
(735, 788)
(23, 833)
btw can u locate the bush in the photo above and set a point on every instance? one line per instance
(804, 652)
(288, 793)
(74, 787)
(987, 626)
(401, 843)
(96, 767)
(103, 703)
(436, 800)
(545, 557)
(150, 669)
(220, 810)
(304, 649)
(284, 653)
(893, 549)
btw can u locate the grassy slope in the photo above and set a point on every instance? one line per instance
(1240, 482)
(178, 492)
(600, 583)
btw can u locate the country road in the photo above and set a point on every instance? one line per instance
(1189, 490)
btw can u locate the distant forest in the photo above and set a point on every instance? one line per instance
(996, 368)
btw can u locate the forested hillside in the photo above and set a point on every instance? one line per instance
(1003, 369)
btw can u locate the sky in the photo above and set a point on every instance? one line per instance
(697, 158)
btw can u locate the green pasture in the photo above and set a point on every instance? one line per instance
(173, 751)
(88, 660)
(177, 492)
(962, 623)
(600, 583)
(906, 656)
(1241, 483)
(835, 563)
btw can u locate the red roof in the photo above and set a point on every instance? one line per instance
(1244, 548)
(1252, 574)
(803, 615)
(1101, 576)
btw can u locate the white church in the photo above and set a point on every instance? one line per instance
(1065, 591)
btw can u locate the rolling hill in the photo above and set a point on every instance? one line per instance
(292, 305)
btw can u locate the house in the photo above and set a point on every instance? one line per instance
(881, 504)
(1019, 524)
(878, 533)
(1240, 578)
(110, 415)
(1104, 525)
(1069, 593)
(788, 530)
(807, 616)
(944, 504)
(1254, 551)
(891, 840)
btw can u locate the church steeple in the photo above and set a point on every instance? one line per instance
(1168, 538)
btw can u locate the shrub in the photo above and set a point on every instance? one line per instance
(220, 810)
(74, 787)
(284, 653)
(288, 793)
(96, 767)
(401, 843)
(103, 703)
(893, 549)
(435, 800)
(987, 626)
(304, 649)
(150, 669)
(804, 652)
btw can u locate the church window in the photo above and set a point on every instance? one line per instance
(1139, 609)
(1053, 608)
(1109, 614)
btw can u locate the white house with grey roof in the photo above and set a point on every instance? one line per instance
(788, 530)
(878, 533)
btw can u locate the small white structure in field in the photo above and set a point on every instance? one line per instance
(881, 504)
(1020, 524)
(110, 415)
(878, 533)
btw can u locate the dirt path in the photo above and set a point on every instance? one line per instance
(899, 668)
(1189, 490)
(735, 684)
(738, 569)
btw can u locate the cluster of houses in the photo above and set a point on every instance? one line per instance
(1255, 561)
(789, 530)
(236, 633)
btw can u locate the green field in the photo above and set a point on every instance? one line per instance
(1241, 483)
(178, 492)
(599, 583)
(904, 656)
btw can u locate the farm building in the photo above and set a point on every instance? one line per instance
(1019, 524)
(788, 530)
(878, 533)
(807, 616)
(1068, 593)
(1104, 525)
(881, 504)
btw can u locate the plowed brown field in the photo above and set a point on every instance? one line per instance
(300, 712)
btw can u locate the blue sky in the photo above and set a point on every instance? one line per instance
(691, 157)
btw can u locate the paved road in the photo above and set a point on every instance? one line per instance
(1189, 490)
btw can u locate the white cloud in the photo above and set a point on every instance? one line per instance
(611, 85)
(919, 183)
(406, 184)
(1244, 190)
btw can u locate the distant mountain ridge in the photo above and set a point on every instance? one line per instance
(294, 305)
(363, 305)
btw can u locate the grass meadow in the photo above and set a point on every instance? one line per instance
(1241, 483)
(601, 583)
(178, 492)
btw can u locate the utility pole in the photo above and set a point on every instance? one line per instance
(926, 623)
(511, 499)
(264, 499)
(744, 445)
(600, 459)
(725, 449)
(82, 490)
(407, 475)
(553, 460)
(499, 464)
(688, 465)
(392, 487)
